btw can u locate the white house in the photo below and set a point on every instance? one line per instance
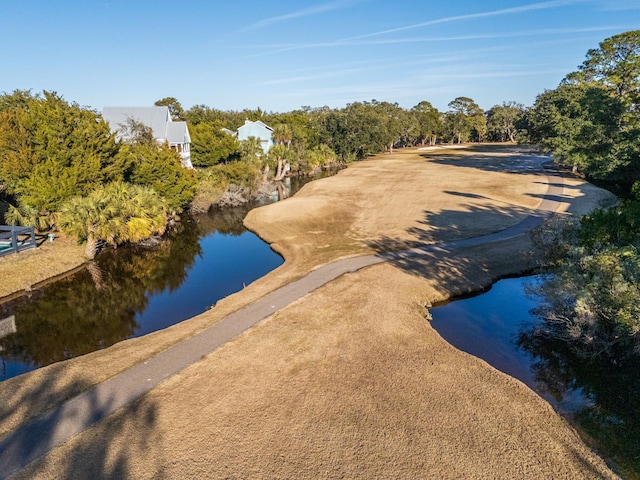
(164, 129)
(258, 130)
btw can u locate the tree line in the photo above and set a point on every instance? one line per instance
(352, 133)
(591, 124)
(309, 139)
(591, 292)
(62, 168)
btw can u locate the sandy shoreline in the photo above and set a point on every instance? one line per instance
(349, 381)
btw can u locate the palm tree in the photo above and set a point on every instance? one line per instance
(28, 216)
(282, 134)
(85, 218)
(113, 214)
(281, 155)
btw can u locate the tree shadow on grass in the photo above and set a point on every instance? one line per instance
(472, 221)
(35, 419)
(510, 159)
(561, 198)
(560, 185)
(458, 247)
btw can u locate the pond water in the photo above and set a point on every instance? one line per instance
(600, 399)
(489, 326)
(135, 290)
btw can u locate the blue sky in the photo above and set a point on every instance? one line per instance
(284, 54)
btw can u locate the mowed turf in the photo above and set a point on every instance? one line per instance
(350, 381)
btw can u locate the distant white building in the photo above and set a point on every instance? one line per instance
(258, 130)
(164, 129)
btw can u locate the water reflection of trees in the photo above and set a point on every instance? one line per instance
(71, 318)
(613, 417)
(227, 221)
(97, 307)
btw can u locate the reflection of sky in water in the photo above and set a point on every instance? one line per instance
(226, 264)
(487, 326)
(10, 369)
(63, 316)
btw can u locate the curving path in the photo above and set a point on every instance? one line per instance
(36, 438)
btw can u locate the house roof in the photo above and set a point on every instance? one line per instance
(158, 118)
(177, 132)
(257, 123)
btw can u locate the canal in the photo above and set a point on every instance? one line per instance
(135, 289)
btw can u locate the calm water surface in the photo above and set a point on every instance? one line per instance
(135, 290)
(489, 326)
(601, 400)
(131, 292)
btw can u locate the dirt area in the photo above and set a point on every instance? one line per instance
(350, 381)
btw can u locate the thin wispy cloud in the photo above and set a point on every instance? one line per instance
(484, 36)
(315, 77)
(335, 71)
(497, 74)
(487, 36)
(620, 5)
(306, 12)
(363, 41)
(381, 64)
(431, 75)
(431, 65)
(469, 16)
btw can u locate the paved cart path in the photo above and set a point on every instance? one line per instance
(41, 435)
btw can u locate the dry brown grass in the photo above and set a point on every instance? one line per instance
(23, 271)
(350, 381)
(363, 389)
(406, 198)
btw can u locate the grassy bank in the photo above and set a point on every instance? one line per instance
(20, 273)
(350, 380)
